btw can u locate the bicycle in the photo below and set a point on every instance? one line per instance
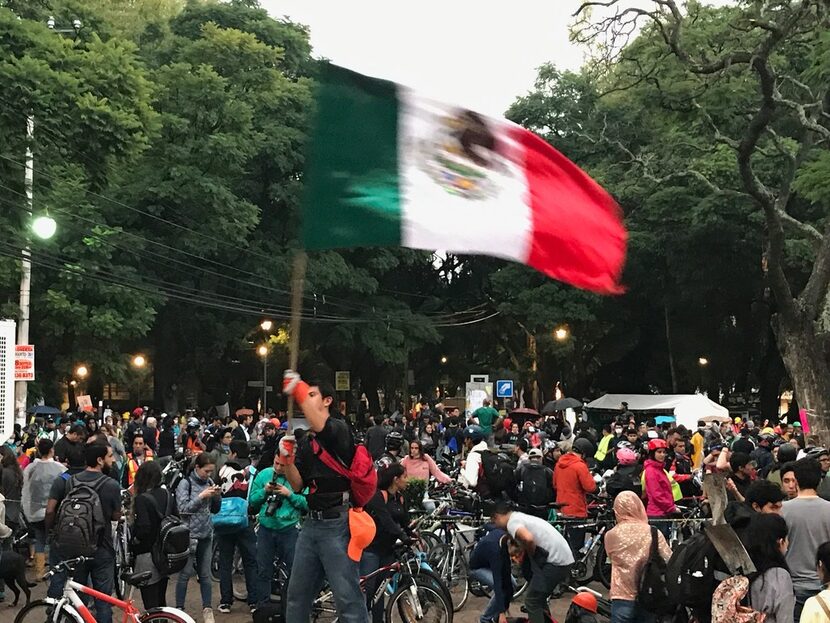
(121, 543)
(411, 601)
(70, 608)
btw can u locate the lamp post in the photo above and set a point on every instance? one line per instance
(703, 362)
(262, 351)
(138, 362)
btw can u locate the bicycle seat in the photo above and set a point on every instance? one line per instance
(135, 579)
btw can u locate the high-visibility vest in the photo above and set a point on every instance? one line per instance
(132, 465)
(602, 449)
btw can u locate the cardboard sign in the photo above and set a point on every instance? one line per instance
(342, 381)
(84, 403)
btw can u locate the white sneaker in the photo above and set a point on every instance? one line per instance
(207, 615)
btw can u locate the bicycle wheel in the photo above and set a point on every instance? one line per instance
(429, 577)
(122, 559)
(603, 567)
(214, 561)
(42, 611)
(416, 602)
(450, 565)
(165, 615)
(430, 541)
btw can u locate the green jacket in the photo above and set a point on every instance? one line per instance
(288, 513)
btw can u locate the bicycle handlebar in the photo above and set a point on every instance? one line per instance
(67, 565)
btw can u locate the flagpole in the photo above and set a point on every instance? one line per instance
(297, 284)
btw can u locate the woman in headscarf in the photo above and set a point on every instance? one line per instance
(628, 545)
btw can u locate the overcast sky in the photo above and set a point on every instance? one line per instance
(482, 54)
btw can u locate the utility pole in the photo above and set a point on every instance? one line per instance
(20, 387)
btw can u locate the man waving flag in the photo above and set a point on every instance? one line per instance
(388, 167)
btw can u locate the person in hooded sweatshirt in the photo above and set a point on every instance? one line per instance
(628, 545)
(657, 488)
(573, 482)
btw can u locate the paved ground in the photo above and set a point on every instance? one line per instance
(240, 613)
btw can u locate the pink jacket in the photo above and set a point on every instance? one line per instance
(658, 493)
(423, 468)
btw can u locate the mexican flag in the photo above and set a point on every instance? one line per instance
(389, 167)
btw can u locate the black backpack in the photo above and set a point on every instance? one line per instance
(653, 595)
(81, 520)
(171, 550)
(536, 485)
(690, 572)
(498, 471)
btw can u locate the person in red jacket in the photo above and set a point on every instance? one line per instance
(573, 482)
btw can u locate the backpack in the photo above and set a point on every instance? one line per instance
(690, 572)
(80, 521)
(498, 471)
(653, 594)
(171, 550)
(361, 473)
(535, 486)
(232, 515)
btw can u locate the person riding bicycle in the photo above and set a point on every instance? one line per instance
(474, 444)
(392, 453)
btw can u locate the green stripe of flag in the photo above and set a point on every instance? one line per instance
(352, 197)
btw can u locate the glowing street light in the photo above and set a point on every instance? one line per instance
(266, 325)
(139, 361)
(262, 351)
(703, 361)
(44, 227)
(561, 334)
(444, 359)
(81, 372)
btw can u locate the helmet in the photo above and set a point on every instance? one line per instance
(583, 446)
(625, 445)
(586, 601)
(394, 440)
(476, 433)
(193, 424)
(657, 444)
(626, 456)
(816, 452)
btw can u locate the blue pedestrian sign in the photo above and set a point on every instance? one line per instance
(504, 389)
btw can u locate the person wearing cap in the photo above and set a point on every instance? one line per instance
(573, 482)
(743, 473)
(534, 484)
(135, 424)
(549, 554)
(332, 538)
(762, 454)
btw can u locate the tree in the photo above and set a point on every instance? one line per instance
(752, 80)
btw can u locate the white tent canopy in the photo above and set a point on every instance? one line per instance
(687, 408)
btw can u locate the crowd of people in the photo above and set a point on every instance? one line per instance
(327, 503)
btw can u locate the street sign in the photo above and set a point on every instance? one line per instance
(24, 362)
(342, 381)
(504, 389)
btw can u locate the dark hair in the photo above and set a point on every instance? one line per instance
(766, 529)
(138, 434)
(9, 461)
(326, 388)
(147, 477)
(807, 473)
(95, 451)
(739, 460)
(224, 431)
(823, 557)
(790, 452)
(789, 466)
(763, 492)
(651, 422)
(44, 446)
(204, 458)
(501, 507)
(387, 474)
(240, 448)
(77, 429)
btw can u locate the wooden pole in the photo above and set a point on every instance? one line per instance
(297, 285)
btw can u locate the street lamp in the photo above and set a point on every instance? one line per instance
(262, 351)
(561, 334)
(444, 359)
(266, 325)
(139, 361)
(703, 361)
(44, 227)
(81, 372)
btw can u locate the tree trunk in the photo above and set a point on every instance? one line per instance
(672, 367)
(804, 359)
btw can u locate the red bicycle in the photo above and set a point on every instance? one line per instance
(70, 608)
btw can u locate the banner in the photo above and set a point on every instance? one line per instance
(24, 362)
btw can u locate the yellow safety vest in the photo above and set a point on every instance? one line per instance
(132, 465)
(602, 448)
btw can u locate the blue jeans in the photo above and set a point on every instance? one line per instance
(201, 551)
(272, 545)
(321, 554)
(100, 573)
(370, 562)
(39, 530)
(624, 611)
(245, 540)
(484, 577)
